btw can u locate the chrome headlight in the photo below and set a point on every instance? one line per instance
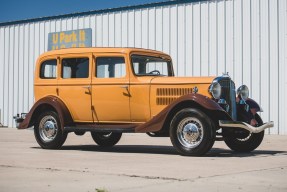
(215, 90)
(243, 92)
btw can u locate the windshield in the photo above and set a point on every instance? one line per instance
(151, 66)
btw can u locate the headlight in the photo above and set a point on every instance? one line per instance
(215, 90)
(243, 92)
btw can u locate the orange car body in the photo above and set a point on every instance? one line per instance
(110, 91)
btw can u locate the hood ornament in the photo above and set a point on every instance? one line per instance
(225, 74)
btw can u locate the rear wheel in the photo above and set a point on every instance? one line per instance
(48, 131)
(106, 139)
(192, 132)
(243, 140)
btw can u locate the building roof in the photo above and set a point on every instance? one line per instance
(101, 11)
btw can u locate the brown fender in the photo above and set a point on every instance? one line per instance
(157, 123)
(46, 103)
(254, 105)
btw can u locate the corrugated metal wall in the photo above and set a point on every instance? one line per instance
(247, 38)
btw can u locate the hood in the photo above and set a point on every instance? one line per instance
(181, 80)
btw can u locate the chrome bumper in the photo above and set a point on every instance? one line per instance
(243, 125)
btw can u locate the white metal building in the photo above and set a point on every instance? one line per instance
(247, 38)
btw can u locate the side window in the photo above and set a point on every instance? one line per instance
(48, 69)
(111, 67)
(75, 68)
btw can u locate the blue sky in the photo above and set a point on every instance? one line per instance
(13, 10)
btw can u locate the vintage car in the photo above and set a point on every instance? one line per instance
(110, 91)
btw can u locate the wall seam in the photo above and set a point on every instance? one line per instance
(269, 63)
(278, 71)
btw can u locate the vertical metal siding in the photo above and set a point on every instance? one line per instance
(247, 38)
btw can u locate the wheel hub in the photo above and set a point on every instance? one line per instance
(48, 128)
(190, 132)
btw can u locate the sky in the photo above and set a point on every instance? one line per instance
(13, 10)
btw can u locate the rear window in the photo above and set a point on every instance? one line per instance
(48, 69)
(75, 68)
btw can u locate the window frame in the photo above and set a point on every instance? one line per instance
(41, 66)
(169, 67)
(75, 56)
(109, 56)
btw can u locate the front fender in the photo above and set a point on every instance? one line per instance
(46, 103)
(254, 105)
(190, 100)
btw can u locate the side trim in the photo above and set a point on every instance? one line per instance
(243, 125)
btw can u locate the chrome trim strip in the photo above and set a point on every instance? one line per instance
(243, 125)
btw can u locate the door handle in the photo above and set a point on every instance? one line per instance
(87, 87)
(124, 86)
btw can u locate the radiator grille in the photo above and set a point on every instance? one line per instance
(173, 91)
(228, 93)
(165, 100)
(166, 96)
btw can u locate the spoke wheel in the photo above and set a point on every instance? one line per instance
(48, 131)
(106, 139)
(192, 132)
(243, 141)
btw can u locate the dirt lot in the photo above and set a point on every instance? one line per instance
(137, 163)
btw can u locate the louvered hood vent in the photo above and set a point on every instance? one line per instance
(165, 96)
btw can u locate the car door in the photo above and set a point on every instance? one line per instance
(74, 85)
(110, 89)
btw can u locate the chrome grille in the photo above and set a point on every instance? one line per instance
(228, 94)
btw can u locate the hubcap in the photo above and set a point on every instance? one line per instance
(190, 132)
(48, 128)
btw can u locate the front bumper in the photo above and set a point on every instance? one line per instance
(246, 126)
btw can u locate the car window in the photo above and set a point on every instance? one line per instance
(111, 67)
(147, 65)
(75, 68)
(48, 69)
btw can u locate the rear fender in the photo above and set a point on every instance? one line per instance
(161, 121)
(44, 104)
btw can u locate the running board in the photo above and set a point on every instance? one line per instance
(122, 128)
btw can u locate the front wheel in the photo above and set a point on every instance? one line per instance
(192, 132)
(106, 139)
(244, 141)
(48, 131)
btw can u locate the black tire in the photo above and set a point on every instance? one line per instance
(106, 139)
(192, 132)
(246, 141)
(48, 131)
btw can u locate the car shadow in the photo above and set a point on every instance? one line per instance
(167, 150)
(218, 152)
(147, 149)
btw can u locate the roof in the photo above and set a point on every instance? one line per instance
(100, 49)
(101, 11)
